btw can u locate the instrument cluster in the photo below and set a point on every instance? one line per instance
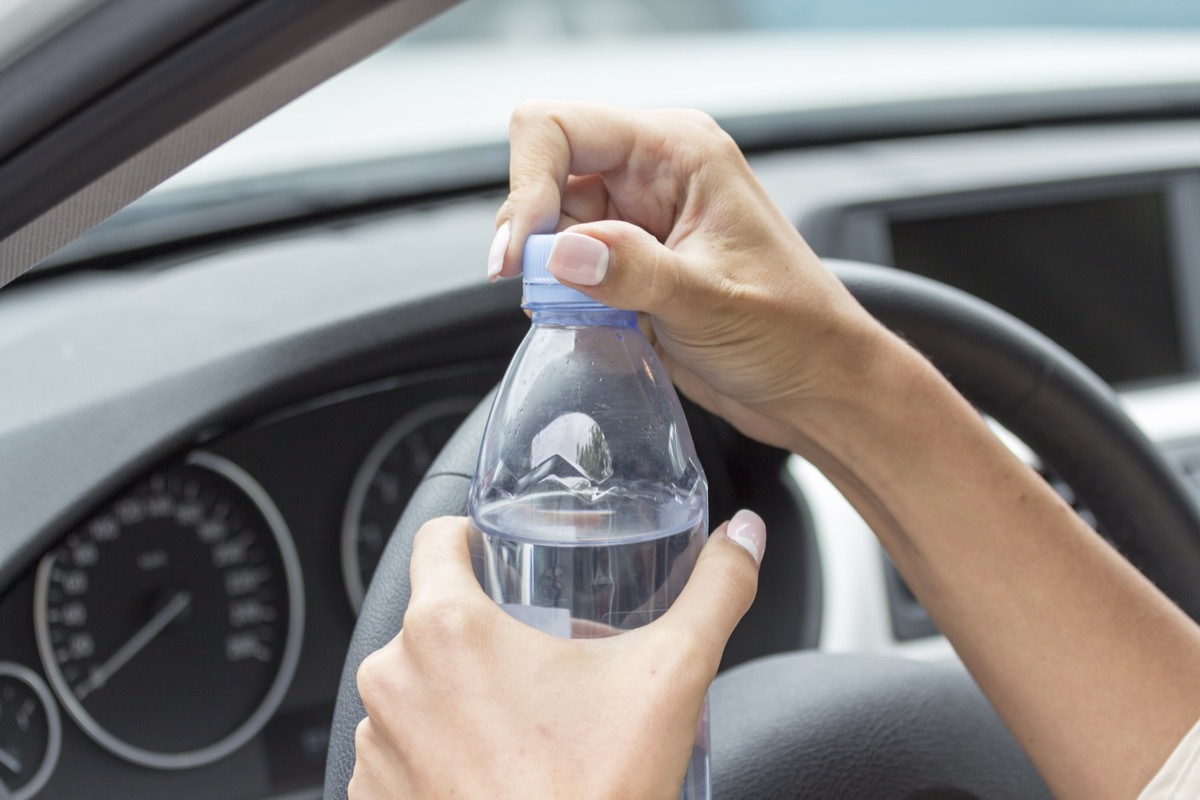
(198, 617)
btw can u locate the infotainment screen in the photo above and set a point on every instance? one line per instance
(1094, 275)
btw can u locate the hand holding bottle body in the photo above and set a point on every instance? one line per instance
(449, 703)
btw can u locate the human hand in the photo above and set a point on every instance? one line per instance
(671, 221)
(467, 702)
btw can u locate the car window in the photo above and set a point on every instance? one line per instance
(532, 19)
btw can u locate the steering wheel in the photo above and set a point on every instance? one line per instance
(820, 725)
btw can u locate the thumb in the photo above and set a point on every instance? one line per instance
(623, 266)
(722, 585)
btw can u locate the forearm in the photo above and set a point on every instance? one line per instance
(1091, 667)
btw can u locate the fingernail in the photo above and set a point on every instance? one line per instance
(576, 258)
(499, 248)
(747, 530)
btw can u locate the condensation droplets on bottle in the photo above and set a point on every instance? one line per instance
(589, 504)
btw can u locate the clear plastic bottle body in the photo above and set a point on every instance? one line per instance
(589, 503)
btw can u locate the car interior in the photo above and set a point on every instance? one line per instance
(218, 404)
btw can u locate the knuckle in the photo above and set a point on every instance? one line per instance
(724, 146)
(710, 137)
(370, 676)
(702, 126)
(355, 790)
(363, 736)
(529, 112)
(367, 756)
(433, 620)
(682, 117)
(540, 156)
(699, 119)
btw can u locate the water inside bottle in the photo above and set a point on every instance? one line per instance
(584, 580)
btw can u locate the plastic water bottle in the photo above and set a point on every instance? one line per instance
(588, 500)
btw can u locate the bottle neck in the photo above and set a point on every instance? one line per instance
(580, 315)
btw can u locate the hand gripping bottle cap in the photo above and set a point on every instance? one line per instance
(542, 288)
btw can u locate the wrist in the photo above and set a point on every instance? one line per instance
(872, 395)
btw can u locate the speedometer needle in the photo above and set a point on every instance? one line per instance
(9, 760)
(146, 634)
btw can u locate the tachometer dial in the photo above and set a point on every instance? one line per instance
(30, 732)
(169, 623)
(388, 475)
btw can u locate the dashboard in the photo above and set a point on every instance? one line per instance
(206, 452)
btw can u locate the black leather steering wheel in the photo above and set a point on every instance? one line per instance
(818, 725)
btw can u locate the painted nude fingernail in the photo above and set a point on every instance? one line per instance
(747, 530)
(576, 258)
(499, 248)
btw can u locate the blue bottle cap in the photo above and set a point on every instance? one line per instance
(542, 288)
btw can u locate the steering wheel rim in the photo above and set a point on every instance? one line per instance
(1008, 370)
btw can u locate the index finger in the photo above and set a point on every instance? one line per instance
(441, 557)
(550, 142)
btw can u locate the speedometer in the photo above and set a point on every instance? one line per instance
(169, 623)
